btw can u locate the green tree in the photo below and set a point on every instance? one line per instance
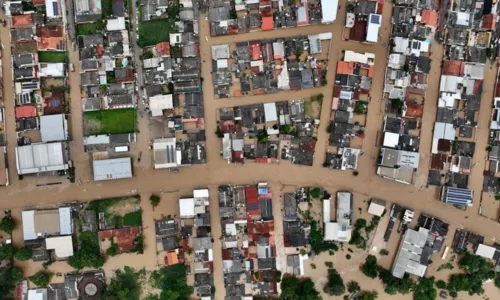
(88, 254)
(353, 287)
(294, 289)
(477, 270)
(41, 279)
(335, 285)
(124, 285)
(315, 193)
(7, 224)
(370, 267)
(23, 254)
(7, 252)
(424, 289)
(441, 284)
(287, 128)
(369, 296)
(155, 200)
(172, 282)
(396, 104)
(16, 275)
(394, 285)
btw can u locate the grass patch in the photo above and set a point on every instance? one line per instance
(155, 31)
(133, 219)
(89, 28)
(110, 121)
(107, 8)
(52, 56)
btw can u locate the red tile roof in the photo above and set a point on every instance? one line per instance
(453, 67)
(124, 237)
(22, 21)
(50, 31)
(344, 67)
(489, 21)
(438, 161)
(429, 17)
(51, 43)
(163, 49)
(267, 22)
(255, 51)
(26, 111)
(253, 205)
(414, 110)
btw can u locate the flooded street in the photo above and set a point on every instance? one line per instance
(24, 193)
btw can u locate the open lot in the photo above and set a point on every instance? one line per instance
(52, 56)
(89, 28)
(110, 121)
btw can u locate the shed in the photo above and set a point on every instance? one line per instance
(377, 207)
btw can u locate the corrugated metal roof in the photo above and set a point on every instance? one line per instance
(111, 169)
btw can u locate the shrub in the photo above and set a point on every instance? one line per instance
(155, 200)
(7, 224)
(355, 173)
(41, 279)
(133, 219)
(370, 267)
(383, 252)
(335, 285)
(23, 254)
(353, 287)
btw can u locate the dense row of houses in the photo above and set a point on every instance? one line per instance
(414, 25)
(173, 92)
(351, 95)
(39, 63)
(468, 45)
(268, 66)
(107, 86)
(248, 241)
(240, 16)
(363, 21)
(270, 132)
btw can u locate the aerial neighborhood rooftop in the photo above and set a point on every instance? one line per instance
(249, 149)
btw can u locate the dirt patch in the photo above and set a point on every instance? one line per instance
(124, 207)
(312, 109)
(91, 125)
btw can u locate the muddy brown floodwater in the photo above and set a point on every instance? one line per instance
(25, 193)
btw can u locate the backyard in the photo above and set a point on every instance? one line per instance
(154, 31)
(113, 121)
(52, 56)
(119, 212)
(89, 28)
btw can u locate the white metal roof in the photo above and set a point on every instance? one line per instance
(165, 154)
(52, 8)
(373, 28)
(51, 70)
(376, 208)
(486, 251)
(270, 112)
(28, 219)
(391, 139)
(186, 207)
(160, 102)
(220, 51)
(62, 245)
(53, 128)
(326, 211)
(115, 24)
(201, 193)
(329, 11)
(113, 168)
(37, 294)
(65, 223)
(364, 58)
(96, 140)
(38, 158)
